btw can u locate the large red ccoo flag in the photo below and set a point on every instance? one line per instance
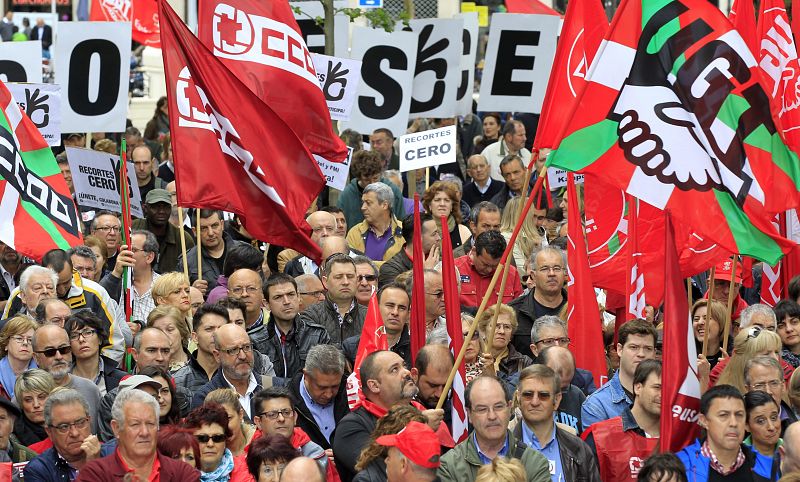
(142, 14)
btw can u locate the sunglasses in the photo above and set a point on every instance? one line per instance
(528, 395)
(217, 438)
(51, 352)
(367, 277)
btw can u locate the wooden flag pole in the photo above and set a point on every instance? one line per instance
(727, 331)
(183, 243)
(199, 248)
(427, 178)
(708, 309)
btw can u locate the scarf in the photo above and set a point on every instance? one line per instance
(28, 432)
(7, 376)
(223, 470)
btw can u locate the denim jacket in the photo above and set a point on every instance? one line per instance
(608, 401)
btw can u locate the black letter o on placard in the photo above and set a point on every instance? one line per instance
(108, 85)
(14, 71)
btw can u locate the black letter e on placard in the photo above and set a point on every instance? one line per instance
(508, 61)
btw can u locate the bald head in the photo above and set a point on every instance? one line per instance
(303, 469)
(562, 361)
(323, 224)
(790, 450)
(227, 334)
(332, 245)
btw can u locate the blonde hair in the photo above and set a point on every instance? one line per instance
(529, 237)
(224, 396)
(15, 326)
(502, 470)
(167, 283)
(169, 311)
(488, 314)
(33, 380)
(745, 347)
(793, 393)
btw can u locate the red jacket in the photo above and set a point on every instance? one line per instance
(473, 285)
(620, 452)
(110, 469)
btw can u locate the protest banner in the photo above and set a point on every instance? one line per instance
(557, 178)
(437, 71)
(42, 103)
(428, 148)
(96, 180)
(469, 50)
(21, 61)
(339, 79)
(335, 172)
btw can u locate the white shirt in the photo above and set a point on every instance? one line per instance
(494, 154)
(9, 278)
(245, 399)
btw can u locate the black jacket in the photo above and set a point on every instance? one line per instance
(578, 463)
(191, 376)
(473, 196)
(292, 358)
(527, 312)
(262, 369)
(326, 314)
(352, 435)
(211, 266)
(306, 421)
(402, 348)
(111, 374)
(397, 264)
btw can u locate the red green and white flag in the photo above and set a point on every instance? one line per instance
(37, 213)
(674, 114)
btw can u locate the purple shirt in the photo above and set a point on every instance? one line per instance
(375, 246)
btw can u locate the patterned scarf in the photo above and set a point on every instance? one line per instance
(223, 470)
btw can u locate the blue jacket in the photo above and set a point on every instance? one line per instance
(47, 467)
(697, 464)
(606, 402)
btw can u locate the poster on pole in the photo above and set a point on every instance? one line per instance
(339, 80)
(557, 178)
(438, 68)
(21, 61)
(96, 182)
(469, 49)
(335, 172)
(428, 148)
(42, 103)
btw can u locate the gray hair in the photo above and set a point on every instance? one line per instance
(454, 179)
(483, 206)
(25, 279)
(82, 251)
(150, 242)
(102, 213)
(438, 336)
(746, 318)
(477, 156)
(63, 396)
(359, 259)
(511, 158)
(394, 174)
(761, 361)
(133, 395)
(548, 249)
(382, 192)
(325, 359)
(546, 321)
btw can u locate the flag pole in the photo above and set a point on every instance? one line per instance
(427, 178)
(485, 301)
(199, 248)
(726, 332)
(708, 308)
(183, 243)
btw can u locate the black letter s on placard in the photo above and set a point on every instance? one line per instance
(389, 88)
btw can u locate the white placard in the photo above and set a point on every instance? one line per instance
(469, 46)
(557, 178)
(96, 57)
(94, 175)
(42, 103)
(519, 57)
(428, 148)
(437, 72)
(387, 74)
(339, 79)
(21, 61)
(335, 172)
(312, 32)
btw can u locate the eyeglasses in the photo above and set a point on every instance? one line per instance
(21, 340)
(217, 438)
(51, 352)
(547, 269)
(235, 350)
(436, 294)
(772, 384)
(250, 290)
(110, 229)
(64, 428)
(561, 341)
(273, 414)
(86, 333)
(370, 278)
(528, 395)
(484, 410)
(315, 294)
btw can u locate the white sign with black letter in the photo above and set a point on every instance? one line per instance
(437, 72)
(312, 32)
(469, 46)
(94, 175)
(519, 57)
(557, 178)
(339, 80)
(93, 69)
(21, 61)
(42, 103)
(335, 172)
(428, 148)
(387, 73)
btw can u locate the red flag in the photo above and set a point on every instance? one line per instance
(585, 25)
(373, 338)
(125, 234)
(680, 385)
(780, 69)
(771, 279)
(452, 313)
(635, 302)
(417, 322)
(583, 313)
(795, 17)
(142, 14)
(232, 151)
(261, 43)
(743, 18)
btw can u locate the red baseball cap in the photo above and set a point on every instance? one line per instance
(416, 441)
(724, 270)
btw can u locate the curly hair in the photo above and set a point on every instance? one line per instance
(206, 415)
(366, 164)
(87, 319)
(106, 145)
(448, 188)
(391, 423)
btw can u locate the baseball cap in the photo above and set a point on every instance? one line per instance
(136, 381)
(724, 269)
(158, 196)
(416, 441)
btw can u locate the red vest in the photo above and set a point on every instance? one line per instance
(620, 454)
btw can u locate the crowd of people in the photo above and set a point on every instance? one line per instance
(234, 363)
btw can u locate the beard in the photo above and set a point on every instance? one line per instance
(409, 390)
(59, 371)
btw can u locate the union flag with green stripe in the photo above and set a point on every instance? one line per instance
(674, 114)
(36, 210)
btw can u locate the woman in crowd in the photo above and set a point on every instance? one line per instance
(16, 349)
(502, 469)
(491, 132)
(530, 237)
(505, 361)
(179, 444)
(764, 424)
(31, 391)
(210, 426)
(749, 343)
(787, 313)
(473, 361)
(169, 401)
(442, 199)
(158, 125)
(701, 322)
(173, 322)
(242, 432)
(370, 465)
(268, 456)
(173, 289)
(87, 336)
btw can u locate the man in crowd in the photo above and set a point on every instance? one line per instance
(512, 143)
(215, 244)
(434, 300)
(379, 236)
(637, 340)
(53, 311)
(790, 450)
(483, 217)
(37, 283)
(10, 264)
(309, 290)
(289, 338)
(143, 160)
(246, 286)
(202, 365)
(340, 314)
(623, 442)
(51, 350)
(320, 394)
(157, 210)
(723, 273)
(341, 222)
(394, 304)
(561, 361)
(366, 168)
(413, 454)
(67, 421)
(401, 262)
(765, 373)
(322, 224)
(759, 315)
(477, 269)
(513, 171)
(549, 331)
(489, 407)
(432, 366)
(84, 261)
(107, 226)
(236, 310)
(539, 395)
(548, 267)
(367, 276)
(483, 187)
(303, 469)
(382, 141)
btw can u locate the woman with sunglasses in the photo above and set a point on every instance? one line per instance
(242, 431)
(210, 426)
(31, 391)
(88, 335)
(749, 343)
(764, 425)
(16, 349)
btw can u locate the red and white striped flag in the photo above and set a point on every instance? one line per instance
(373, 338)
(635, 282)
